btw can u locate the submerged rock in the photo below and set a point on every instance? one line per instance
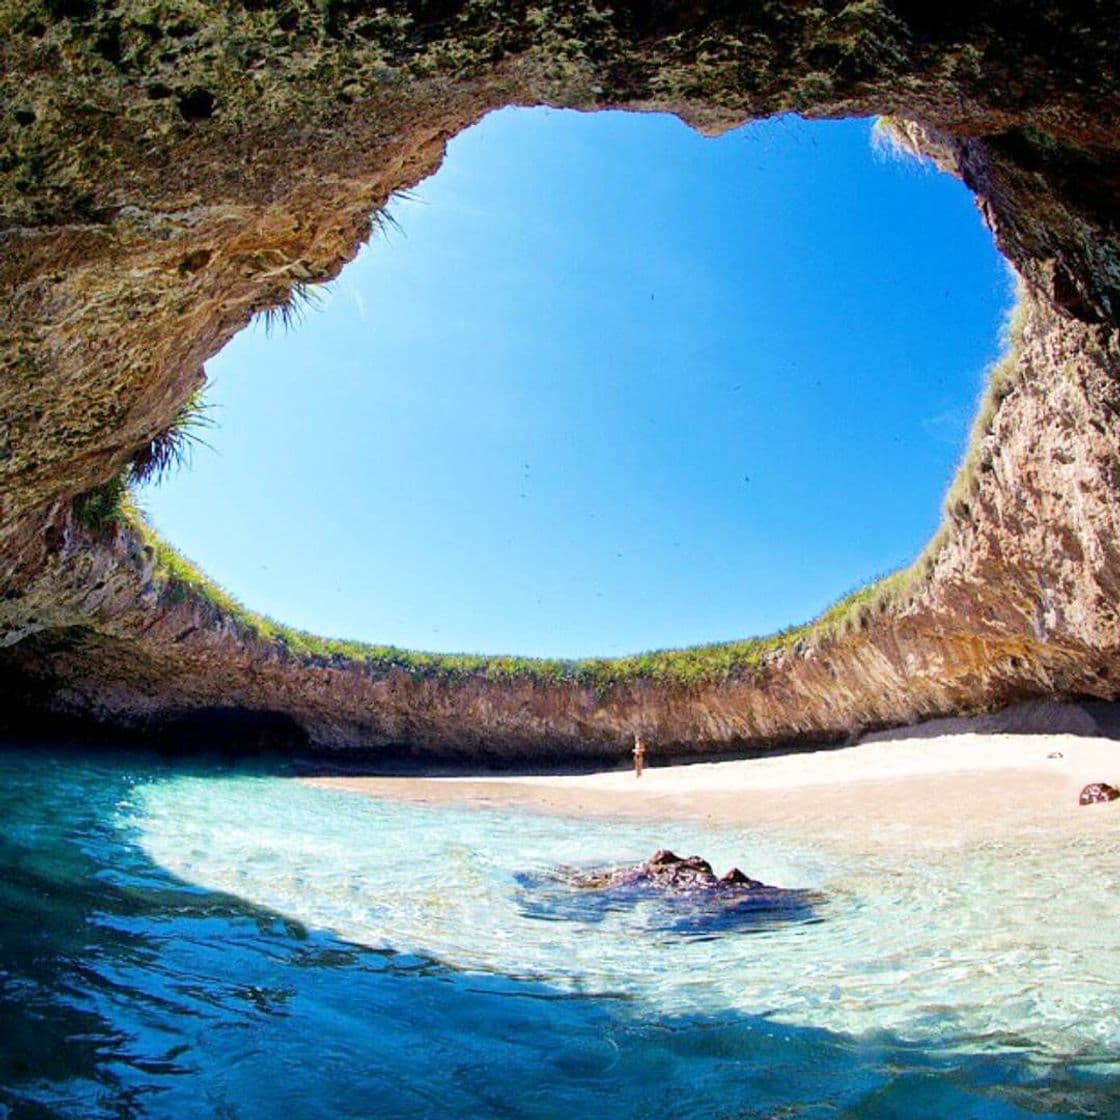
(666, 871)
(1096, 792)
(667, 894)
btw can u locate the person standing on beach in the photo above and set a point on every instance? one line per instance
(639, 753)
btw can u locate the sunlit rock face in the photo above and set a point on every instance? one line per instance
(168, 170)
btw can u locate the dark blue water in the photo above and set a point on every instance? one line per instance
(125, 992)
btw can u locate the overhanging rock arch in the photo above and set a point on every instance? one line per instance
(170, 169)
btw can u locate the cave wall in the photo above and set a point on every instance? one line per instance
(169, 169)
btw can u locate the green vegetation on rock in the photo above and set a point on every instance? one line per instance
(103, 507)
(172, 447)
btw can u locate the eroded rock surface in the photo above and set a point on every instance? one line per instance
(668, 894)
(666, 871)
(169, 170)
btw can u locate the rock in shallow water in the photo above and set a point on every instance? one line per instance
(666, 894)
(666, 871)
(1096, 792)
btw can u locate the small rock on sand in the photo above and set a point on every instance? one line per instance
(1096, 792)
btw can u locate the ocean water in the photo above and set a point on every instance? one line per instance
(205, 940)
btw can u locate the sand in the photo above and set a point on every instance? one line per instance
(946, 789)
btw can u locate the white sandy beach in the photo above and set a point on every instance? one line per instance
(943, 789)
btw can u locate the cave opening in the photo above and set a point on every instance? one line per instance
(605, 385)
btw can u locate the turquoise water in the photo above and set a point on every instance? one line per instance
(201, 941)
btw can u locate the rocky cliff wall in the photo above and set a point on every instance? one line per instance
(169, 169)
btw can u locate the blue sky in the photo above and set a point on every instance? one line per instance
(612, 386)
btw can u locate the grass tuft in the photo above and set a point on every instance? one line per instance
(383, 221)
(303, 296)
(104, 506)
(174, 446)
(289, 312)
